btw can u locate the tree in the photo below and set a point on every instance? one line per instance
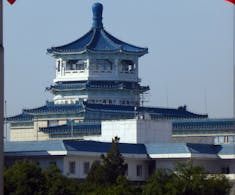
(161, 183)
(186, 179)
(24, 177)
(112, 165)
(56, 183)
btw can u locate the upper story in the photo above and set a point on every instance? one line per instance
(97, 55)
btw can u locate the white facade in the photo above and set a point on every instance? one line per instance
(97, 67)
(85, 160)
(78, 164)
(135, 131)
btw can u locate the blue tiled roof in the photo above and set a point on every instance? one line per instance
(203, 148)
(75, 126)
(105, 109)
(20, 117)
(50, 107)
(98, 40)
(76, 129)
(97, 84)
(203, 126)
(204, 123)
(227, 149)
(34, 146)
(103, 147)
(168, 148)
(182, 148)
(158, 112)
(70, 145)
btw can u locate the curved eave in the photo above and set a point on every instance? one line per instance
(18, 118)
(54, 110)
(74, 52)
(99, 88)
(46, 112)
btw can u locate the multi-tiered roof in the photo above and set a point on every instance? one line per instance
(97, 40)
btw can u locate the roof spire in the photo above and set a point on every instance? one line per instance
(97, 10)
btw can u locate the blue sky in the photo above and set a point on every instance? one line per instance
(190, 48)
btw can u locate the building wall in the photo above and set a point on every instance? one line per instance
(132, 170)
(23, 134)
(79, 165)
(136, 131)
(150, 131)
(27, 135)
(212, 166)
(91, 73)
(80, 160)
(194, 139)
(124, 129)
(31, 133)
(43, 161)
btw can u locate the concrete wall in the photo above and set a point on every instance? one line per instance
(81, 159)
(150, 131)
(194, 139)
(124, 129)
(22, 134)
(136, 131)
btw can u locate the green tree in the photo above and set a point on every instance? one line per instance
(186, 179)
(195, 180)
(56, 183)
(161, 183)
(24, 177)
(112, 165)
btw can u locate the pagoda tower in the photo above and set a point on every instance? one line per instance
(97, 68)
(96, 79)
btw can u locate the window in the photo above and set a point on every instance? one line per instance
(230, 139)
(58, 65)
(52, 163)
(126, 173)
(139, 170)
(86, 167)
(225, 170)
(72, 167)
(52, 123)
(102, 65)
(76, 65)
(127, 66)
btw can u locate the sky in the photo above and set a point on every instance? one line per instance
(190, 59)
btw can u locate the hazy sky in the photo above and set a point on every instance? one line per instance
(190, 48)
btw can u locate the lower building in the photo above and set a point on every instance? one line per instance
(146, 145)
(75, 157)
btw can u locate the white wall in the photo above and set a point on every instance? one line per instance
(81, 159)
(79, 165)
(150, 131)
(136, 131)
(124, 129)
(132, 169)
